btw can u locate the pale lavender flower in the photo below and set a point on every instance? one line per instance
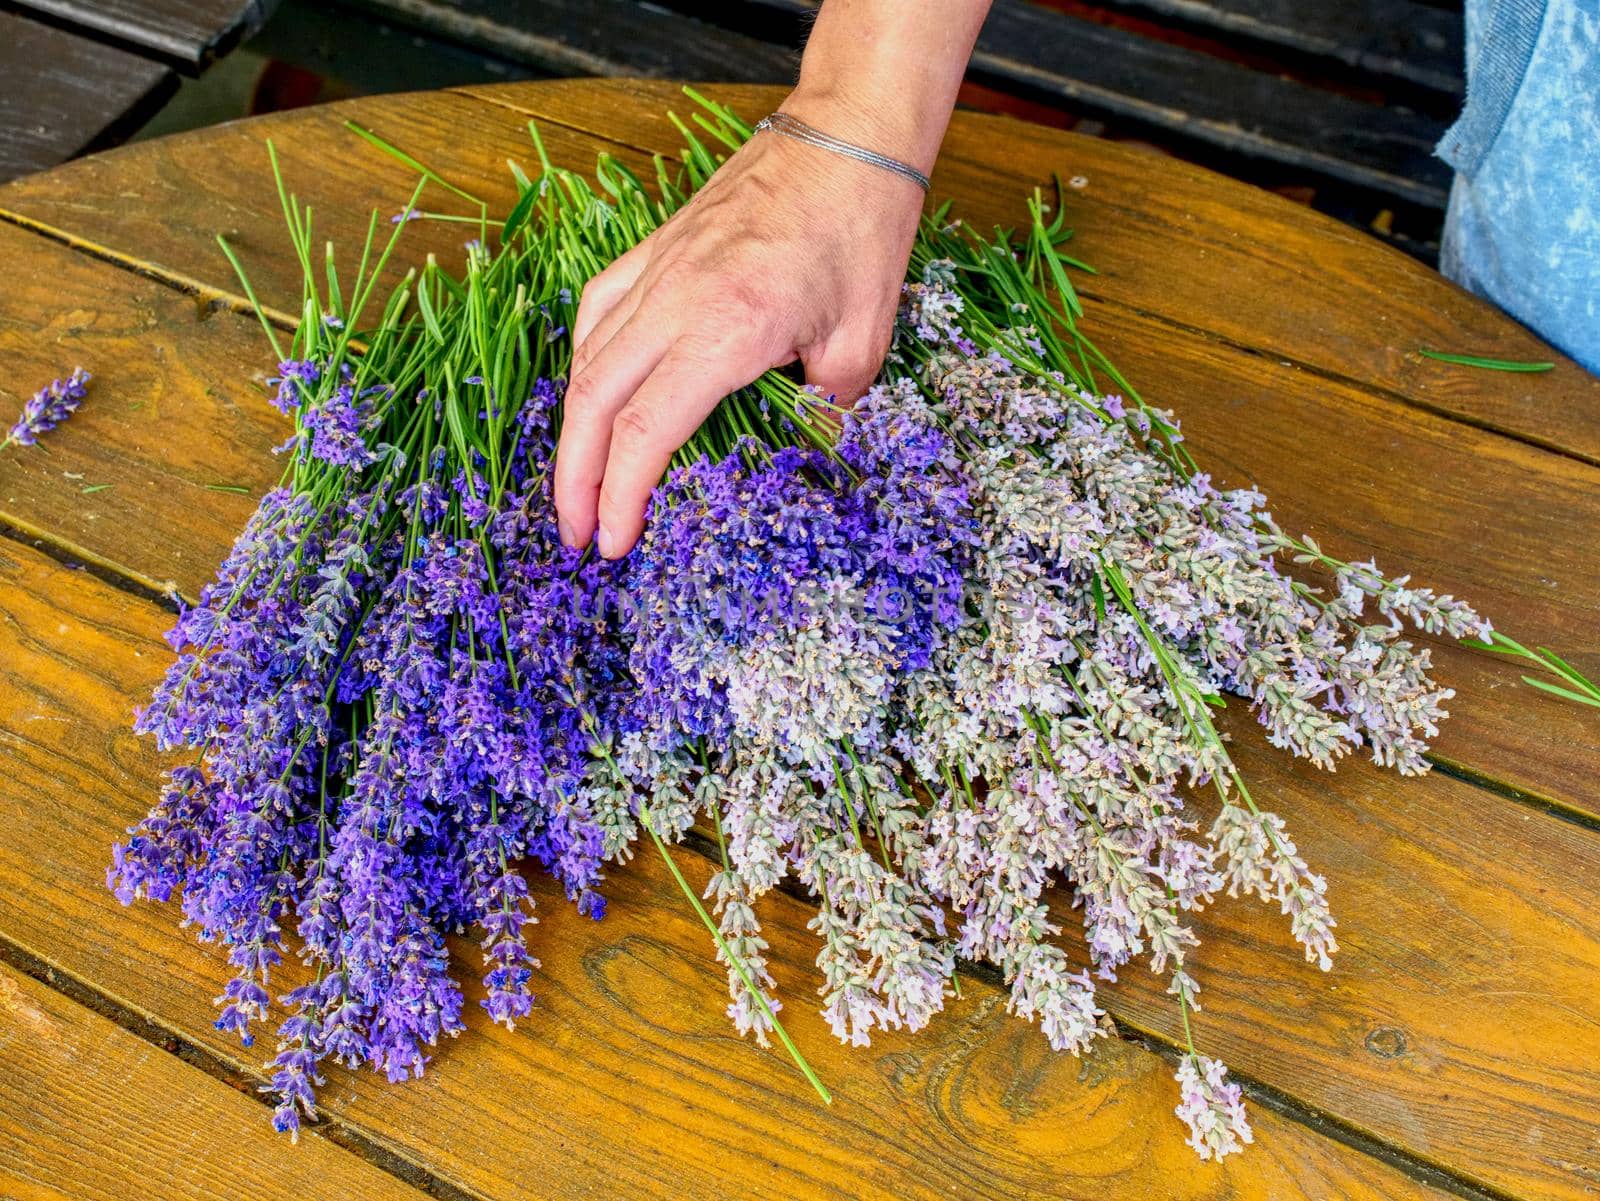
(1212, 1108)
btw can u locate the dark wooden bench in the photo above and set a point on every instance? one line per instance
(79, 75)
(1346, 97)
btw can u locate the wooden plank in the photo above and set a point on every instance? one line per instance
(187, 33)
(1379, 1114)
(1252, 268)
(1358, 1087)
(1415, 43)
(64, 94)
(1192, 95)
(1183, 243)
(1415, 906)
(1032, 50)
(113, 482)
(90, 1112)
(1421, 495)
(1403, 40)
(626, 1080)
(594, 37)
(1431, 503)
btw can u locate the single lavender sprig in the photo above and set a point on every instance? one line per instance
(48, 408)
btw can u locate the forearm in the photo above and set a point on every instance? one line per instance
(885, 73)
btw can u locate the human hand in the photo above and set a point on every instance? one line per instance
(789, 252)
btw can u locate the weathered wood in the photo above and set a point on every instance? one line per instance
(594, 37)
(1405, 41)
(115, 481)
(64, 94)
(90, 1112)
(1427, 889)
(1469, 513)
(1200, 251)
(1414, 43)
(1186, 95)
(1422, 493)
(1463, 471)
(187, 33)
(627, 1079)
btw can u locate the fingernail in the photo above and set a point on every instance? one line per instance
(565, 531)
(608, 544)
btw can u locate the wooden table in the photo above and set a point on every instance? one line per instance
(1455, 1049)
(84, 74)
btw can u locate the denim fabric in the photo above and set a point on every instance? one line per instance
(1523, 228)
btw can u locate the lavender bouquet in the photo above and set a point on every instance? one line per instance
(948, 659)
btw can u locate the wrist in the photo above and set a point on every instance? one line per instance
(860, 116)
(883, 74)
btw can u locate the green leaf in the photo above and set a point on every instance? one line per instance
(1468, 360)
(518, 216)
(1097, 586)
(1562, 667)
(421, 168)
(429, 318)
(1546, 686)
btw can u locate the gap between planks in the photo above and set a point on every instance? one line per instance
(342, 1133)
(357, 1140)
(209, 299)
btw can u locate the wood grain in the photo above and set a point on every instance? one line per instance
(626, 1080)
(174, 411)
(1404, 40)
(188, 33)
(65, 94)
(1194, 97)
(1409, 41)
(90, 1112)
(1433, 1061)
(1201, 251)
(1475, 973)
(594, 37)
(1423, 494)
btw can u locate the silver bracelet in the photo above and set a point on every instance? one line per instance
(791, 127)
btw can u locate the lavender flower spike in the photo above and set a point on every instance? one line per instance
(1211, 1107)
(49, 407)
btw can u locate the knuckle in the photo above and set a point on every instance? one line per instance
(580, 393)
(739, 293)
(582, 359)
(633, 424)
(599, 284)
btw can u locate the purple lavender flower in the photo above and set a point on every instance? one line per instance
(296, 380)
(48, 408)
(335, 428)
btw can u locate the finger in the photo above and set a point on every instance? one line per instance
(844, 368)
(601, 293)
(606, 328)
(594, 397)
(663, 414)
